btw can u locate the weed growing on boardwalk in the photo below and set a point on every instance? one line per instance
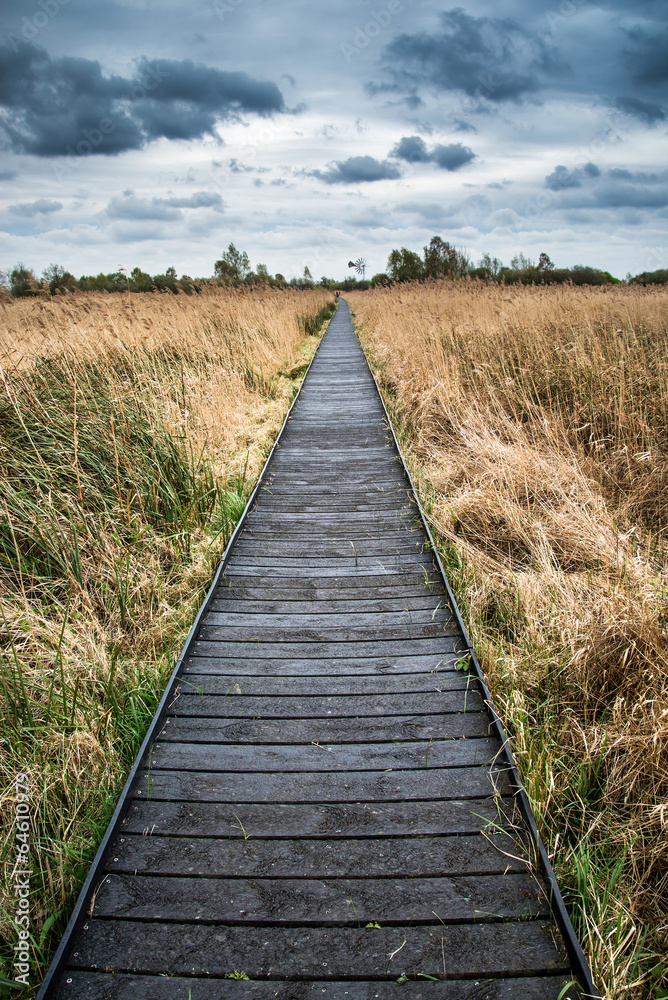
(132, 430)
(534, 420)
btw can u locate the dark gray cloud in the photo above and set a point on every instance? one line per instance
(562, 178)
(644, 111)
(358, 169)
(618, 188)
(40, 207)
(453, 156)
(647, 59)
(413, 149)
(165, 209)
(59, 107)
(485, 57)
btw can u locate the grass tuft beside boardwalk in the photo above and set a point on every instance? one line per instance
(534, 419)
(131, 432)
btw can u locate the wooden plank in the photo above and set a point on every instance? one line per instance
(313, 547)
(85, 985)
(377, 585)
(369, 565)
(339, 667)
(225, 602)
(324, 650)
(493, 854)
(455, 680)
(375, 621)
(383, 575)
(344, 786)
(316, 902)
(319, 820)
(319, 757)
(323, 707)
(465, 949)
(327, 731)
(326, 595)
(266, 632)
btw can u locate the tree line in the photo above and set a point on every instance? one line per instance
(439, 260)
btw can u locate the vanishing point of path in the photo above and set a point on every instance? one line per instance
(327, 808)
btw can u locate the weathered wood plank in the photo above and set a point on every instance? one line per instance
(454, 680)
(266, 632)
(328, 650)
(87, 985)
(317, 902)
(465, 949)
(319, 757)
(434, 857)
(345, 819)
(345, 666)
(323, 707)
(342, 786)
(226, 601)
(374, 621)
(327, 731)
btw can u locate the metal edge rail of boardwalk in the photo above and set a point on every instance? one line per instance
(90, 885)
(573, 947)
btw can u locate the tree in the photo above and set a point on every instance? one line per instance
(380, 280)
(490, 264)
(544, 263)
(441, 259)
(22, 281)
(405, 265)
(234, 264)
(57, 277)
(139, 280)
(263, 273)
(521, 263)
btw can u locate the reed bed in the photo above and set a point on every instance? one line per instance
(535, 420)
(132, 429)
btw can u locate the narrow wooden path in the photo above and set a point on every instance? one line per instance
(327, 808)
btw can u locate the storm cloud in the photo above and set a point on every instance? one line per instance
(50, 107)
(644, 111)
(358, 170)
(413, 149)
(484, 57)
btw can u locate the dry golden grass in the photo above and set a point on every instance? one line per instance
(132, 429)
(536, 422)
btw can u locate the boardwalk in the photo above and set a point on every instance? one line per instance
(327, 809)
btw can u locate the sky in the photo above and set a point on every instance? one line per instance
(153, 133)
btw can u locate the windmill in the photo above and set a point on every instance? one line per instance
(360, 265)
